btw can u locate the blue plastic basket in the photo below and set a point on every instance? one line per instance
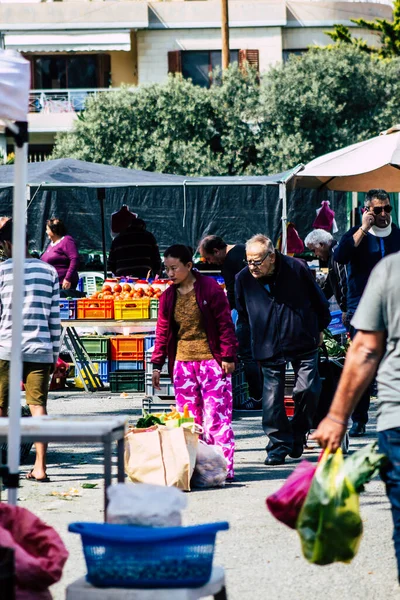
(67, 309)
(148, 557)
(127, 365)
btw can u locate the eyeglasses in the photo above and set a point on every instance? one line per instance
(257, 263)
(378, 209)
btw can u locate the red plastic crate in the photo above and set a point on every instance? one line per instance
(289, 406)
(95, 309)
(127, 347)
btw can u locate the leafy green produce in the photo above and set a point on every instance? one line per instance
(148, 421)
(361, 466)
(89, 486)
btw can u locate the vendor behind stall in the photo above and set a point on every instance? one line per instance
(62, 254)
(134, 252)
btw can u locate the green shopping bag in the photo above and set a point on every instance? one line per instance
(329, 523)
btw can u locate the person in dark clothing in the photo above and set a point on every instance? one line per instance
(231, 260)
(287, 312)
(361, 248)
(322, 244)
(134, 252)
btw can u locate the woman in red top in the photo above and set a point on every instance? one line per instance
(195, 331)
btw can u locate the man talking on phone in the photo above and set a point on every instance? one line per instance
(361, 248)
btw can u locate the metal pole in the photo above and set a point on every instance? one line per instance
(225, 34)
(101, 194)
(18, 258)
(282, 196)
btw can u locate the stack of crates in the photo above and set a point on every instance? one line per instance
(240, 390)
(127, 363)
(97, 347)
(166, 385)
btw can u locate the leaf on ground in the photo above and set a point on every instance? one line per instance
(89, 486)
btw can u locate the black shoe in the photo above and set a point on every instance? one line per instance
(297, 449)
(357, 430)
(251, 404)
(270, 461)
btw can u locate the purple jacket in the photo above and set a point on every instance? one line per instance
(64, 257)
(217, 323)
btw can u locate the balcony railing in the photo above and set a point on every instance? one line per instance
(61, 101)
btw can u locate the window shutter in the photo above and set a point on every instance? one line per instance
(175, 61)
(251, 57)
(104, 70)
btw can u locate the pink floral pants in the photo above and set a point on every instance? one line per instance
(207, 391)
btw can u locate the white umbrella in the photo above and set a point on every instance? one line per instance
(14, 101)
(374, 163)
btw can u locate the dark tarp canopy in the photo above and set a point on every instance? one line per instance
(175, 208)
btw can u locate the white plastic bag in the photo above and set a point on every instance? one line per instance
(145, 504)
(211, 468)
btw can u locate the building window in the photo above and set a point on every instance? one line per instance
(297, 52)
(58, 71)
(198, 65)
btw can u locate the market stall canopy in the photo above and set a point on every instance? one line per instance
(374, 163)
(72, 173)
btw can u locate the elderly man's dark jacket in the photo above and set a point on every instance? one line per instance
(285, 321)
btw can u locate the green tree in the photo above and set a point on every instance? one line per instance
(323, 101)
(388, 32)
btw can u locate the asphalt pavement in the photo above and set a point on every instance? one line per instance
(262, 557)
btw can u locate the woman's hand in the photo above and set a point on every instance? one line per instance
(155, 380)
(66, 285)
(228, 367)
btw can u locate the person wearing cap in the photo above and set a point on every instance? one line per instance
(361, 248)
(40, 336)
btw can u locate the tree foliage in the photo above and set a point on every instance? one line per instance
(306, 107)
(388, 31)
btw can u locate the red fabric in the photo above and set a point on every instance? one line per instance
(121, 219)
(217, 320)
(325, 217)
(286, 503)
(40, 553)
(294, 243)
(59, 377)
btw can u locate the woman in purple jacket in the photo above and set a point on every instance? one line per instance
(195, 331)
(62, 254)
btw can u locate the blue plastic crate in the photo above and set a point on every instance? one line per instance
(127, 365)
(336, 326)
(149, 342)
(148, 557)
(67, 309)
(102, 366)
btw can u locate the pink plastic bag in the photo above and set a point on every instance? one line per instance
(325, 217)
(287, 502)
(40, 553)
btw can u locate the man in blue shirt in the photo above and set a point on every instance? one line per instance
(361, 248)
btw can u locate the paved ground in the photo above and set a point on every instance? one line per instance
(262, 558)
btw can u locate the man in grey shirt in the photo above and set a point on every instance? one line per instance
(375, 346)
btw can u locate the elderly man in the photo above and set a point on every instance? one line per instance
(361, 248)
(287, 312)
(375, 346)
(322, 244)
(231, 259)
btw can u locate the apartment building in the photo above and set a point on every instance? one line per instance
(81, 47)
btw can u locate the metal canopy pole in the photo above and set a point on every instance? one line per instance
(101, 194)
(18, 257)
(282, 196)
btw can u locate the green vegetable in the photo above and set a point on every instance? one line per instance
(361, 466)
(148, 421)
(89, 486)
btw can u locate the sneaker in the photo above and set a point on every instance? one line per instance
(357, 430)
(251, 404)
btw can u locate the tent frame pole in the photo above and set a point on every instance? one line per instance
(282, 196)
(101, 194)
(18, 258)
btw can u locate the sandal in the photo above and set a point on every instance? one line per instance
(31, 477)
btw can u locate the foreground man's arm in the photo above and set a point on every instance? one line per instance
(362, 360)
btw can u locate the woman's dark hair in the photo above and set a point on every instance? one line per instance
(181, 252)
(56, 226)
